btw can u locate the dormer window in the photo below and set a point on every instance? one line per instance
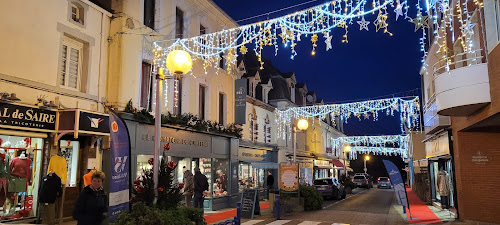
(76, 13)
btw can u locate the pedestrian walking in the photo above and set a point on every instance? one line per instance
(92, 205)
(200, 186)
(188, 187)
(270, 182)
(443, 187)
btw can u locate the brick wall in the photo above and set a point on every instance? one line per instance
(477, 183)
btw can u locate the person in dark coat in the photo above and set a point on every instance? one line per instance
(270, 182)
(92, 205)
(200, 186)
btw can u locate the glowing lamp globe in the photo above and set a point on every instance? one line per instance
(179, 62)
(367, 158)
(347, 148)
(302, 124)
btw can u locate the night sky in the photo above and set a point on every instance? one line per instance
(371, 65)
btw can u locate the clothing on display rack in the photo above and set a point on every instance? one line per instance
(58, 165)
(87, 178)
(20, 167)
(50, 189)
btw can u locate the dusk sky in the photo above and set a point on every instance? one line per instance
(372, 65)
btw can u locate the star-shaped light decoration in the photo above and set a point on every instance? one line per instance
(328, 42)
(314, 39)
(398, 11)
(380, 22)
(366, 116)
(422, 22)
(363, 24)
(243, 50)
(468, 28)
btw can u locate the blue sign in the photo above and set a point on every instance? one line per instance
(120, 164)
(397, 182)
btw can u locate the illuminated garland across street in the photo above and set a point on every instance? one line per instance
(373, 144)
(408, 108)
(286, 30)
(378, 151)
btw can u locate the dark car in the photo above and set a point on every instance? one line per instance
(362, 181)
(384, 182)
(330, 187)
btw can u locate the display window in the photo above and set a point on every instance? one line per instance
(250, 177)
(20, 166)
(70, 150)
(220, 174)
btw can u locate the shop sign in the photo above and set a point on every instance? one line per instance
(306, 164)
(438, 147)
(27, 118)
(240, 101)
(93, 122)
(289, 177)
(480, 158)
(321, 163)
(251, 154)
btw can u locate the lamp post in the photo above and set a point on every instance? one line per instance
(366, 159)
(302, 124)
(178, 62)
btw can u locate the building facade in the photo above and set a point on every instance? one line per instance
(52, 78)
(463, 82)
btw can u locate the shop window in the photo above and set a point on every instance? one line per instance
(70, 151)
(205, 165)
(20, 171)
(220, 181)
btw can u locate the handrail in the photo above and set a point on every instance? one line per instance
(429, 102)
(441, 66)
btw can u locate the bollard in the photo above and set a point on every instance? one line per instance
(238, 213)
(277, 207)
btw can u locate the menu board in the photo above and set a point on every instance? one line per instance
(289, 177)
(249, 203)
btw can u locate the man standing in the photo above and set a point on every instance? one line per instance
(270, 182)
(200, 186)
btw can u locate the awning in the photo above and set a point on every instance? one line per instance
(262, 164)
(324, 167)
(337, 163)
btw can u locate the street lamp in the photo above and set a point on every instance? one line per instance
(178, 62)
(366, 159)
(302, 124)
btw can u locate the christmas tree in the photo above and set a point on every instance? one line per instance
(169, 192)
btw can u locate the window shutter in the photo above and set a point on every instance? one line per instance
(63, 65)
(74, 58)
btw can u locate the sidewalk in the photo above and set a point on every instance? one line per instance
(227, 214)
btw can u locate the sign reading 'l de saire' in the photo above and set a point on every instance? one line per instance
(27, 117)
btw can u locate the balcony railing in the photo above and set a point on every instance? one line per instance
(456, 61)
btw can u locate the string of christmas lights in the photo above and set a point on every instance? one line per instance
(399, 141)
(377, 151)
(314, 22)
(408, 108)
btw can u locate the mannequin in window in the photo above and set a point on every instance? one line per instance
(443, 187)
(4, 175)
(20, 173)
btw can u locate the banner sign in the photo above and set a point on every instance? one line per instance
(94, 122)
(240, 101)
(289, 177)
(27, 118)
(120, 158)
(397, 182)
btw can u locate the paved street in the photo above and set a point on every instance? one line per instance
(374, 206)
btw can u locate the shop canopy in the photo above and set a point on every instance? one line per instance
(337, 163)
(262, 164)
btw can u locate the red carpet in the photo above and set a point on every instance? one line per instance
(229, 214)
(419, 210)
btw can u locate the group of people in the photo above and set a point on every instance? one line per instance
(195, 185)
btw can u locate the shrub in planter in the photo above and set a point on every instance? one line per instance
(312, 199)
(144, 215)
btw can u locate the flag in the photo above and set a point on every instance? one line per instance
(397, 182)
(120, 164)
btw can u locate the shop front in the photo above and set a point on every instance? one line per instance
(441, 169)
(215, 155)
(322, 169)
(306, 167)
(255, 164)
(24, 140)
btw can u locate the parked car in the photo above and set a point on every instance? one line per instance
(384, 182)
(362, 181)
(330, 187)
